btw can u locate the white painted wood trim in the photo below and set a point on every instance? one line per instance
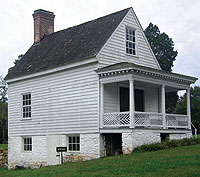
(143, 79)
(111, 36)
(132, 104)
(188, 108)
(142, 31)
(163, 105)
(49, 71)
(102, 105)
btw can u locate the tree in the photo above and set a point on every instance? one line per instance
(163, 48)
(195, 106)
(15, 62)
(3, 110)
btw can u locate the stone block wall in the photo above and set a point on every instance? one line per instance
(134, 139)
(175, 136)
(89, 148)
(35, 158)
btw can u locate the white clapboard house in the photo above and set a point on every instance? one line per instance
(95, 88)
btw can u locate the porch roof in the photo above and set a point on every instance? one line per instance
(126, 67)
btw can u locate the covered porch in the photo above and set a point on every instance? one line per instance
(132, 96)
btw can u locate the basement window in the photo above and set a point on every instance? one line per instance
(26, 105)
(27, 142)
(74, 143)
(130, 41)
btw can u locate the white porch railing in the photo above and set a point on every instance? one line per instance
(116, 119)
(145, 119)
(148, 119)
(176, 121)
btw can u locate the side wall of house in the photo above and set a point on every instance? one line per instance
(115, 49)
(61, 103)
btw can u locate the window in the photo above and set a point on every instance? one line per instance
(130, 41)
(74, 143)
(26, 105)
(27, 144)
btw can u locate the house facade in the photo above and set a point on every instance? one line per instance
(95, 88)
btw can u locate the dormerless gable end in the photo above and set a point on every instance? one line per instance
(118, 49)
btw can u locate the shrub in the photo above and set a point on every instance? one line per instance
(167, 145)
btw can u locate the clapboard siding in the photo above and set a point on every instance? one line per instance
(111, 99)
(151, 99)
(63, 102)
(114, 50)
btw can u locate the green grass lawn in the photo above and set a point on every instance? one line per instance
(3, 146)
(180, 161)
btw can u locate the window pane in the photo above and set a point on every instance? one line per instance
(133, 52)
(74, 146)
(29, 96)
(126, 30)
(70, 139)
(29, 102)
(133, 39)
(70, 147)
(78, 139)
(74, 139)
(78, 147)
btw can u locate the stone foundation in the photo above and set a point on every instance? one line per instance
(134, 139)
(175, 136)
(89, 148)
(36, 158)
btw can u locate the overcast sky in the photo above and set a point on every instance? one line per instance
(180, 19)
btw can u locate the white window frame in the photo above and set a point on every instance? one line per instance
(23, 106)
(29, 144)
(68, 143)
(129, 41)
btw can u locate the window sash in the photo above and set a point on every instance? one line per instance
(26, 105)
(74, 143)
(130, 41)
(27, 144)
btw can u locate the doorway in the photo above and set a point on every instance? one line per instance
(113, 144)
(124, 99)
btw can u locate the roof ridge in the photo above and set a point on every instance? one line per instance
(114, 13)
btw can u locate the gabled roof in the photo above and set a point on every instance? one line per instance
(125, 67)
(69, 45)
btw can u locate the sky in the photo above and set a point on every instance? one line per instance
(180, 19)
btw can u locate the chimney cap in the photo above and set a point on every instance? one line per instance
(43, 11)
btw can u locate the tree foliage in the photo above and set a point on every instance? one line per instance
(195, 106)
(3, 111)
(162, 46)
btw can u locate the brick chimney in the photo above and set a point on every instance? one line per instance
(43, 24)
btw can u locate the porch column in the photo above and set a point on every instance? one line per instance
(102, 105)
(132, 105)
(188, 108)
(163, 105)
